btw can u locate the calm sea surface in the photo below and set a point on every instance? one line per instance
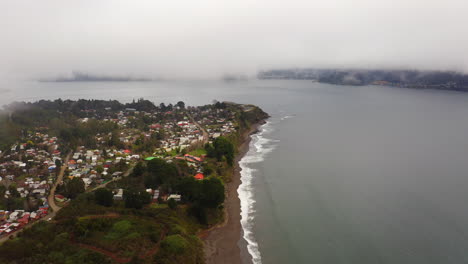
(340, 174)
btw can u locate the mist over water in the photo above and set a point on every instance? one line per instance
(340, 174)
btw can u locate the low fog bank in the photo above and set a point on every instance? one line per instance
(209, 39)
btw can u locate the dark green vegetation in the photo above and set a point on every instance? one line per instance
(221, 148)
(136, 200)
(86, 232)
(159, 172)
(8, 131)
(74, 187)
(104, 197)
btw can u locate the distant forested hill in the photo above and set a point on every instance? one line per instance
(447, 80)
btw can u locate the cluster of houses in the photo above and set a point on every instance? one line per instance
(178, 134)
(193, 161)
(179, 131)
(95, 166)
(16, 220)
(31, 166)
(218, 122)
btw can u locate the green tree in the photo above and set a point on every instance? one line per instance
(74, 187)
(132, 200)
(104, 197)
(58, 164)
(181, 105)
(160, 172)
(175, 244)
(223, 147)
(145, 198)
(172, 203)
(135, 199)
(99, 169)
(212, 193)
(138, 170)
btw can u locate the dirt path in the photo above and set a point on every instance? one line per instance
(51, 198)
(116, 179)
(205, 134)
(109, 254)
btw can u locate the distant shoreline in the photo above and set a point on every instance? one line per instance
(101, 80)
(437, 80)
(86, 77)
(224, 243)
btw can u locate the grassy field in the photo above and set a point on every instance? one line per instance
(198, 152)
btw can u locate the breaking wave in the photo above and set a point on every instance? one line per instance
(258, 148)
(287, 117)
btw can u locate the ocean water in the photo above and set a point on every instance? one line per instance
(339, 174)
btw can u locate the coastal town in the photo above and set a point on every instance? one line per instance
(37, 170)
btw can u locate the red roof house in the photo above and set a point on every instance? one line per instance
(199, 176)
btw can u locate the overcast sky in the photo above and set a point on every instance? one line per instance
(206, 38)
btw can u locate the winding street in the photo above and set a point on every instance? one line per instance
(51, 198)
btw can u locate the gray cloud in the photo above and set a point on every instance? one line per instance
(207, 38)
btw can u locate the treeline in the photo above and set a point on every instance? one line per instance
(9, 132)
(78, 106)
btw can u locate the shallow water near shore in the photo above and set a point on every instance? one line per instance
(339, 174)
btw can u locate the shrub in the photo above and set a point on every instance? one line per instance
(174, 244)
(104, 197)
(172, 203)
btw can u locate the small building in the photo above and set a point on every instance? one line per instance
(119, 195)
(156, 194)
(176, 197)
(60, 198)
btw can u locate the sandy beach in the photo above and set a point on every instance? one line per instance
(223, 243)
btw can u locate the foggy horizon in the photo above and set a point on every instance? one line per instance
(207, 39)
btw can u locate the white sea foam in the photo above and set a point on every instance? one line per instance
(258, 148)
(287, 117)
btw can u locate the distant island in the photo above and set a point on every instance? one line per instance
(86, 77)
(442, 80)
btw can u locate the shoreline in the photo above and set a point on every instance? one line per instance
(224, 243)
